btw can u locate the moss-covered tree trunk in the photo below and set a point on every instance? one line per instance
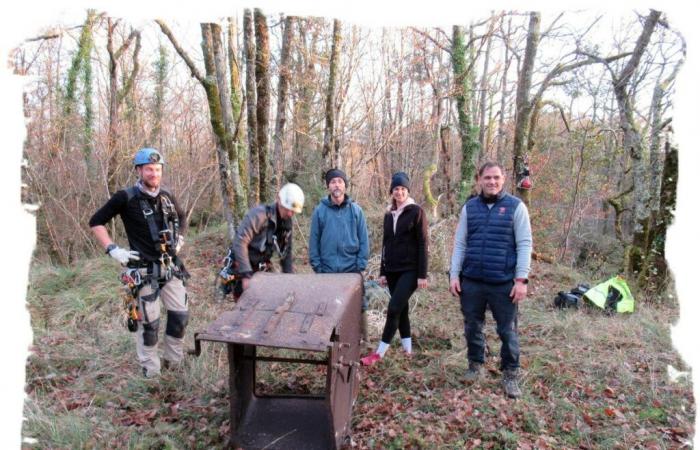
(80, 71)
(240, 150)
(251, 101)
(636, 252)
(230, 159)
(220, 116)
(212, 49)
(262, 110)
(655, 273)
(467, 132)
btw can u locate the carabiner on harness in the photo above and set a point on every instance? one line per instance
(131, 276)
(281, 253)
(131, 279)
(166, 266)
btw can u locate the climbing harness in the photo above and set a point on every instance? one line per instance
(228, 280)
(156, 273)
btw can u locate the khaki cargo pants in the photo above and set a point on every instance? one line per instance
(174, 297)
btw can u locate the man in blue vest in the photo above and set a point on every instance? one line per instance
(490, 266)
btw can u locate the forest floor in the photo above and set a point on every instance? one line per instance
(589, 380)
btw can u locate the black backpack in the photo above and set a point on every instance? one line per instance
(571, 299)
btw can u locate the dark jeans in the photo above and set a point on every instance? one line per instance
(401, 286)
(474, 298)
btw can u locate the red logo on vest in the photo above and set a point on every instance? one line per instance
(501, 210)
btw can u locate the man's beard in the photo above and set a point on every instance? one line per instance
(149, 185)
(336, 193)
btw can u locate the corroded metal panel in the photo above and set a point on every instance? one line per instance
(288, 311)
(317, 313)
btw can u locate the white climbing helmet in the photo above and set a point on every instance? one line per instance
(292, 197)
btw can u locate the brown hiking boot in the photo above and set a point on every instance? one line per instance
(473, 372)
(510, 383)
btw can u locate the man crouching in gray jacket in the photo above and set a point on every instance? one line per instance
(266, 230)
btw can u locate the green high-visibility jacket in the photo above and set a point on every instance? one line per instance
(598, 294)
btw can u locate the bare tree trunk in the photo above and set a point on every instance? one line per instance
(473, 105)
(491, 122)
(262, 111)
(446, 166)
(427, 191)
(113, 106)
(116, 96)
(282, 88)
(501, 145)
(251, 101)
(574, 199)
(329, 152)
(388, 121)
(484, 87)
(305, 77)
(656, 131)
(387, 110)
(400, 96)
(522, 102)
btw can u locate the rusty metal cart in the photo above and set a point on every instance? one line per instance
(317, 314)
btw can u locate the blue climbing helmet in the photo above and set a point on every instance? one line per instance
(148, 156)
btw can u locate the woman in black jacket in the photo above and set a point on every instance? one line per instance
(404, 263)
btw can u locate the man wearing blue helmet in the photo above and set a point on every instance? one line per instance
(153, 270)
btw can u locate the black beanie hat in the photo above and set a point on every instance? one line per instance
(335, 173)
(399, 179)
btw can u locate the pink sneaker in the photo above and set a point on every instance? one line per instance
(370, 359)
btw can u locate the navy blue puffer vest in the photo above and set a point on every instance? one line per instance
(490, 255)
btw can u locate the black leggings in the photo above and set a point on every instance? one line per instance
(401, 285)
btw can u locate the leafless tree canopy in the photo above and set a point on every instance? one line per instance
(580, 105)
